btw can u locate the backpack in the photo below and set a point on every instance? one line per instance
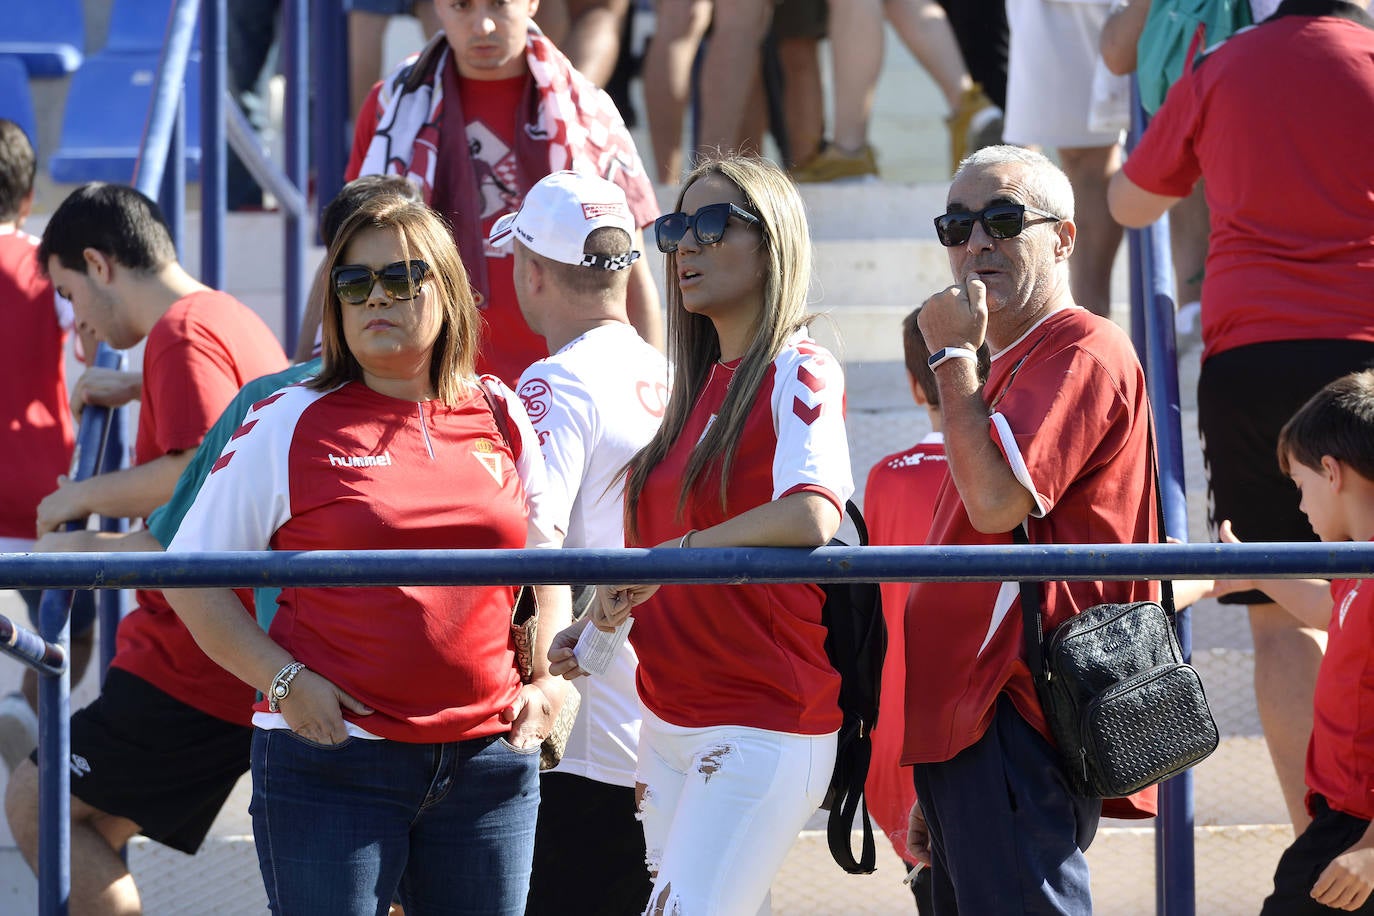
(1171, 34)
(855, 641)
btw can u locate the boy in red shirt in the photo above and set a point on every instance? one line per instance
(899, 501)
(1327, 449)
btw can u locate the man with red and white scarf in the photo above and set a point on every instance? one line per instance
(484, 111)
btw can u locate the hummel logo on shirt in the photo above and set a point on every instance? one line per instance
(361, 461)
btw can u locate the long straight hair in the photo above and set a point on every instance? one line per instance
(423, 235)
(694, 347)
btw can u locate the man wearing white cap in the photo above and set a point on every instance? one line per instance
(594, 403)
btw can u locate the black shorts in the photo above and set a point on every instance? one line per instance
(1330, 834)
(1244, 396)
(800, 19)
(572, 876)
(137, 753)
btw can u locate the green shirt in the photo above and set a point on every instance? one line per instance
(166, 519)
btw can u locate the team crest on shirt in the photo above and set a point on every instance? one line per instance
(488, 457)
(536, 397)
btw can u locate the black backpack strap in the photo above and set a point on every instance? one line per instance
(860, 526)
(1032, 623)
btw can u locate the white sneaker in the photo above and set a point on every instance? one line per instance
(18, 730)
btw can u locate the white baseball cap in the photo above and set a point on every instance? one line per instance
(558, 214)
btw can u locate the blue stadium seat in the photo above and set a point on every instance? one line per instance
(107, 108)
(140, 26)
(16, 103)
(50, 36)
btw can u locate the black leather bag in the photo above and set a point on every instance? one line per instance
(1125, 709)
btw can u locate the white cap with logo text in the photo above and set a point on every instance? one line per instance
(558, 214)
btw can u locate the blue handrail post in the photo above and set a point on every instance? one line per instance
(213, 180)
(167, 91)
(54, 690)
(329, 62)
(295, 60)
(172, 194)
(110, 602)
(1153, 327)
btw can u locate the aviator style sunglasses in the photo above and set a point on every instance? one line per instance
(400, 280)
(1000, 221)
(707, 225)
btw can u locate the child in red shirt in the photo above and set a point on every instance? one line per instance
(1327, 448)
(899, 500)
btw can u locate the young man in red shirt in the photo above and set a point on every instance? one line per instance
(161, 748)
(484, 111)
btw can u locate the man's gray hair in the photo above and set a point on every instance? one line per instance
(1047, 187)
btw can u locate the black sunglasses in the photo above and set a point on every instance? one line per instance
(1000, 221)
(400, 280)
(707, 225)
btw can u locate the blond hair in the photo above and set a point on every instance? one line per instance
(694, 348)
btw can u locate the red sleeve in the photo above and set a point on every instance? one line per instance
(1165, 162)
(1068, 418)
(364, 126)
(190, 377)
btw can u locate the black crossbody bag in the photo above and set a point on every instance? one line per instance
(1125, 709)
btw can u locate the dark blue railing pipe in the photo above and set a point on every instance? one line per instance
(19, 642)
(329, 64)
(167, 90)
(54, 686)
(1037, 562)
(171, 196)
(213, 156)
(244, 141)
(1152, 325)
(295, 63)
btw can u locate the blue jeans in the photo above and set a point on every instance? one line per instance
(1006, 834)
(339, 829)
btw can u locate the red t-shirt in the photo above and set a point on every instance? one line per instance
(197, 357)
(751, 655)
(357, 470)
(1340, 755)
(1291, 253)
(37, 431)
(1069, 413)
(899, 502)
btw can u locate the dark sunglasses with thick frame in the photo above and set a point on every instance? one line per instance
(1000, 221)
(707, 225)
(400, 280)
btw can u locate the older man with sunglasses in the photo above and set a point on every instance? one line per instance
(1057, 441)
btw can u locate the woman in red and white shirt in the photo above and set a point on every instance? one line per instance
(741, 703)
(397, 748)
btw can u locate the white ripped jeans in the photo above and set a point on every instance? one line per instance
(722, 806)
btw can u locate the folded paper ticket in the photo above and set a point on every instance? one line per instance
(596, 649)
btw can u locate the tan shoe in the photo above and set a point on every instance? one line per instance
(833, 164)
(971, 104)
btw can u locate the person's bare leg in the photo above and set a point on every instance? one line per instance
(856, 52)
(1287, 656)
(554, 21)
(593, 42)
(668, 79)
(803, 100)
(1099, 236)
(101, 883)
(925, 30)
(365, 34)
(731, 70)
(1189, 229)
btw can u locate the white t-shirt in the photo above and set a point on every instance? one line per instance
(594, 404)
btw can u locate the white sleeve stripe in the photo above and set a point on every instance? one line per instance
(1002, 430)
